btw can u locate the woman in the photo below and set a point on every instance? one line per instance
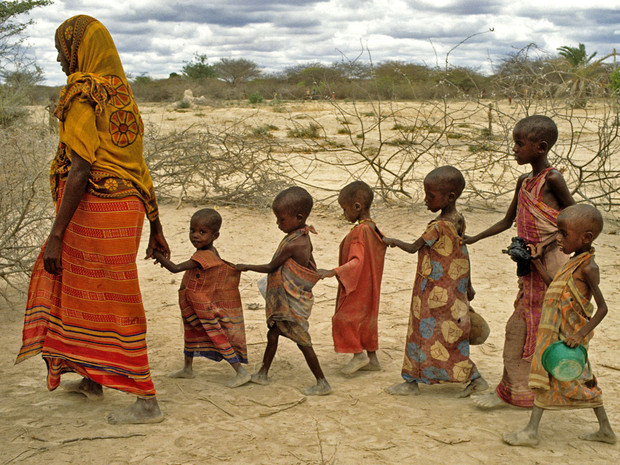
(84, 311)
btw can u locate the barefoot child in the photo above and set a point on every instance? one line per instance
(362, 253)
(210, 301)
(291, 276)
(538, 198)
(437, 348)
(567, 316)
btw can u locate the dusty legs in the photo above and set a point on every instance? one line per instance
(141, 411)
(86, 387)
(187, 371)
(475, 385)
(362, 361)
(529, 435)
(321, 388)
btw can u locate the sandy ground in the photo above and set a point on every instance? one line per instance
(359, 423)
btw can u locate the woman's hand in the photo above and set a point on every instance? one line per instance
(157, 241)
(52, 261)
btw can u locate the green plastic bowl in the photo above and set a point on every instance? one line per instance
(564, 363)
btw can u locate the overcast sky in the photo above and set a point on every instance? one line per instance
(157, 37)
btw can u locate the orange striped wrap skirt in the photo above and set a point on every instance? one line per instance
(90, 319)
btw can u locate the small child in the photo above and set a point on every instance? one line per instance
(210, 301)
(567, 315)
(291, 276)
(437, 348)
(539, 196)
(362, 253)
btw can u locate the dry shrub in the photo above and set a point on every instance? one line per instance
(234, 165)
(26, 209)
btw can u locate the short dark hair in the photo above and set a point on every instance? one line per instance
(585, 217)
(449, 177)
(357, 191)
(295, 200)
(211, 218)
(537, 128)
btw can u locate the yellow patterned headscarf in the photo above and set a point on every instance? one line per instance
(100, 120)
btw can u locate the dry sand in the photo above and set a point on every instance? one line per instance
(359, 423)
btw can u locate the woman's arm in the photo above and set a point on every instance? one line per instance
(75, 186)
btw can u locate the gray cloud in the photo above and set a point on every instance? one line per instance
(157, 37)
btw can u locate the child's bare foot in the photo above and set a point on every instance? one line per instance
(86, 387)
(521, 438)
(260, 378)
(141, 411)
(489, 401)
(321, 388)
(357, 362)
(372, 366)
(186, 373)
(601, 435)
(476, 385)
(239, 380)
(404, 389)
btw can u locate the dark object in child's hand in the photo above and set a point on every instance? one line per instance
(518, 251)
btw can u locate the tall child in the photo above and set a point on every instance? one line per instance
(437, 347)
(539, 196)
(359, 273)
(210, 301)
(291, 276)
(567, 316)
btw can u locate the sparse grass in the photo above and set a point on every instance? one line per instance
(311, 131)
(346, 131)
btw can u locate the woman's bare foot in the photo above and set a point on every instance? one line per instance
(489, 401)
(260, 378)
(186, 373)
(521, 438)
(239, 380)
(357, 362)
(141, 411)
(601, 436)
(321, 388)
(476, 385)
(86, 387)
(404, 389)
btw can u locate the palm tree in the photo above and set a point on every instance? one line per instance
(576, 56)
(580, 76)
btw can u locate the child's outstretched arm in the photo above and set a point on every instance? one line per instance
(291, 250)
(592, 278)
(411, 248)
(503, 224)
(172, 267)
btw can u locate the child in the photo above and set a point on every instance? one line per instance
(437, 348)
(567, 316)
(538, 198)
(210, 301)
(362, 252)
(291, 276)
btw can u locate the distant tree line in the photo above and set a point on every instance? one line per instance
(572, 73)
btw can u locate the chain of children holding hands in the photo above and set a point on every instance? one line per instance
(85, 314)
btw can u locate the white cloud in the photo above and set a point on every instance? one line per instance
(157, 37)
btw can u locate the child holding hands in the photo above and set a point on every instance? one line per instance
(567, 315)
(291, 276)
(539, 196)
(437, 347)
(210, 301)
(359, 273)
